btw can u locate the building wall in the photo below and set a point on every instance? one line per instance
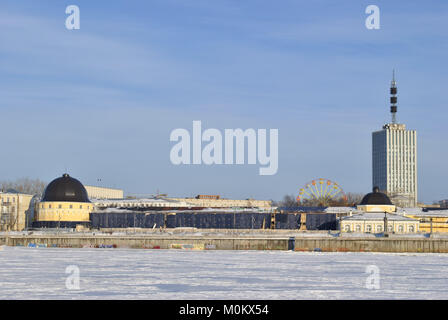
(394, 163)
(379, 159)
(63, 211)
(377, 226)
(14, 210)
(219, 219)
(232, 242)
(104, 193)
(439, 224)
(376, 208)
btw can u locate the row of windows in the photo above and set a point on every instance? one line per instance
(379, 228)
(60, 206)
(7, 200)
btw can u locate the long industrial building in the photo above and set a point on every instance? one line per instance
(211, 219)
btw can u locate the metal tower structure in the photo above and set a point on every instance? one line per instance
(393, 98)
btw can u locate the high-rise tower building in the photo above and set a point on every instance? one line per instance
(394, 158)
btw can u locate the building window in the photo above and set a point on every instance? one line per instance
(411, 228)
(358, 228)
(400, 228)
(368, 228)
(379, 228)
(80, 206)
(347, 228)
(71, 206)
(49, 206)
(60, 206)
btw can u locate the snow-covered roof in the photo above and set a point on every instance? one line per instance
(114, 210)
(429, 213)
(139, 200)
(340, 209)
(377, 216)
(205, 210)
(409, 210)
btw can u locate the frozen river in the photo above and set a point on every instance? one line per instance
(40, 273)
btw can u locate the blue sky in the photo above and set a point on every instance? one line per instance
(100, 102)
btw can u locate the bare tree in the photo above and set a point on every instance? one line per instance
(287, 201)
(24, 185)
(354, 198)
(351, 199)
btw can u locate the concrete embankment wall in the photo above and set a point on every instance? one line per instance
(188, 242)
(373, 245)
(234, 243)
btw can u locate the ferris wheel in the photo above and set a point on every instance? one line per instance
(321, 192)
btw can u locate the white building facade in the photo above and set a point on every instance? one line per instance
(394, 162)
(394, 158)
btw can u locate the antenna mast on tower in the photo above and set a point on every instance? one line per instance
(393, 98)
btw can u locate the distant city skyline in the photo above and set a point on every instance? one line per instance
(100, 102)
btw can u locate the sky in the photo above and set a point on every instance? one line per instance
(100, 102)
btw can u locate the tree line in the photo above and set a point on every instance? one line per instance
(352, 199)
(23, 185)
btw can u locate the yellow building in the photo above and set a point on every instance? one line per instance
(65, 204)
(431, 221)
(15, 210)
(374, 214)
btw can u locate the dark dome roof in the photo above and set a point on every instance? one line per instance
(66, 189)
(376, 197)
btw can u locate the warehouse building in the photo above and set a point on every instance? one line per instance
(210, 219)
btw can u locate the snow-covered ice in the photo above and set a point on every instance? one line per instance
(39, 273)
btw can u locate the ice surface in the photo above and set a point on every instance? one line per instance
(39, 273)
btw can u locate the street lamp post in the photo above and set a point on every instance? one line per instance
(385, 225)
(430, 220)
